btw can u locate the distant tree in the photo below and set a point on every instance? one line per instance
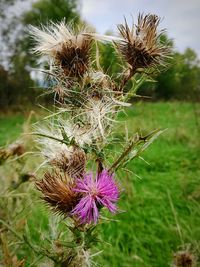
(4, 87)
(181, 81)
(54, 10)
(19, 87)
(12, 91)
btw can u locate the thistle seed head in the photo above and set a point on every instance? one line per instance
(69, 50)
(141, 47)
(74, 56)
(68, 158)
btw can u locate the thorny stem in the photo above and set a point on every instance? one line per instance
(64, 141)
(99, 158)
(137, 139)
(52, 137)
(134, 141)
(126, 78)
(11, 230)
(99, 165)
(80, 238)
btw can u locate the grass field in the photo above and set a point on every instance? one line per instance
(160, 205)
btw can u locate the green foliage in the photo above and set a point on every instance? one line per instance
(182, 79)
(15, 87)
(147, 234)
(109, 60)
(54, 10)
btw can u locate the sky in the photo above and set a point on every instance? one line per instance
(181, 18)
(10, 12)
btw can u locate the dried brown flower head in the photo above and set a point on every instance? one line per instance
(68, 48)
(4, 155)
(141, 47)
(15, 149)
(184, 259)
(73, 165)
(74, 55)
(57, 192)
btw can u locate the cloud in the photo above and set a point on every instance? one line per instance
(180, 17)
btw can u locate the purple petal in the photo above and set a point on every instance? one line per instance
(108, 204)
(84, 185)
(86, 210)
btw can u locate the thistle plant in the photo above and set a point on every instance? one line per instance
(80, 177)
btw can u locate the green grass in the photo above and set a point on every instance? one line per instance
(165, 198)
(10, 127)
(160, 211)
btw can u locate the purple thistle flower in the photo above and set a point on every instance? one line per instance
(102, 191)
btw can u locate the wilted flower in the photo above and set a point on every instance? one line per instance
(73, 165)
(15, 149)
(77, 163)
(57, 192)
(69, 50)
(103, 191)
(141, 46)
(68, 158)
(184, 259)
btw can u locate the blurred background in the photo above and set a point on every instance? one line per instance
(19, 82)
(162, 195)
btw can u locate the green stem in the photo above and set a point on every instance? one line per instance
(11, 230)
(53, 138)
(126, 79)
(136, 140)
